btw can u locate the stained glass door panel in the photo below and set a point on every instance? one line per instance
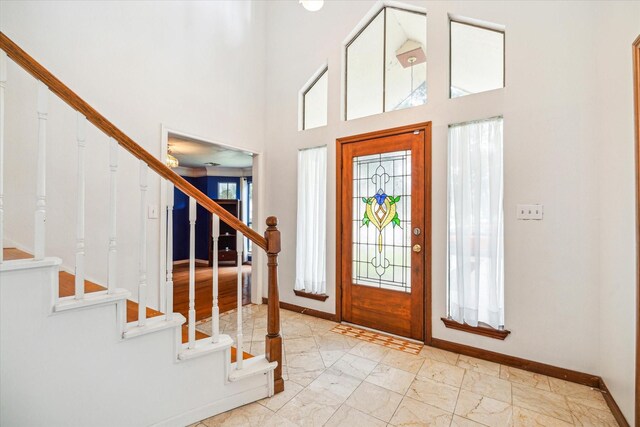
(382, 220)
(383, 196)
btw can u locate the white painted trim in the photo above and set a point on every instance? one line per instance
(153, 324)
(217, 407)
(91, 299)
(259, 217)
(162, 274)
(314, 77)
(477, 22)
(258, 365)
(204, 346)
(9, 243)
(26, 264)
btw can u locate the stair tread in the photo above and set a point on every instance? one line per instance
(67, 288)
(12, 254)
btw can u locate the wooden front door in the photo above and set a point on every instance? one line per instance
(384, 233)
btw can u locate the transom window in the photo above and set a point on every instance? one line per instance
(314, 102)
(387, 64)
(477, 59)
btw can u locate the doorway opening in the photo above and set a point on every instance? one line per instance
(225, 175)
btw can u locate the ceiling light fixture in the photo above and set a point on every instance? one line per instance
(171, 161)
(312, 5)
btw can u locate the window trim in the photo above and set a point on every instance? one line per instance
(484, 26)
(227, 183)
(304, 294)
(317, 76)
(383, 10)
(482, 329)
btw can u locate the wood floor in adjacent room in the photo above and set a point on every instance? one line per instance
(227, 289)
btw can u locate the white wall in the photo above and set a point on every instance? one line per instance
(618, 27)
(193, 66)
(554, 143)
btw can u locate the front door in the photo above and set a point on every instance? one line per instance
(384, 237)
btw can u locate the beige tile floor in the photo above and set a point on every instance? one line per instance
(333, 380)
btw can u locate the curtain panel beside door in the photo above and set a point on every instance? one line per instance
(312, 221)
(476, 223)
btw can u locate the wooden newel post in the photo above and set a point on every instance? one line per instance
(273, 342)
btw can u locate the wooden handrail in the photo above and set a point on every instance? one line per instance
(34, 68)
(270, 243)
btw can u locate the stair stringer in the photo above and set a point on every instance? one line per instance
(74, 368)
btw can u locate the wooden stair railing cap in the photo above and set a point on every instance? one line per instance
(38, 71)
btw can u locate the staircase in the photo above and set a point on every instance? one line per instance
(74, 352)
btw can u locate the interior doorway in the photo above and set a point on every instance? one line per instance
(224, 174)
(384, 237)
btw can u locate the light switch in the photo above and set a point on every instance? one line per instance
(152, 212)
(528, 212)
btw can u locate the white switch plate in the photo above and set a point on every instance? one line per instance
(530, 212)
(152, 212)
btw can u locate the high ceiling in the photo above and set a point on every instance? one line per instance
(193, 153)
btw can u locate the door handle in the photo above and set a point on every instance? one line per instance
(417, 248)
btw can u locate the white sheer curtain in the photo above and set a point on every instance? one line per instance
(312, 221)
(476, 223)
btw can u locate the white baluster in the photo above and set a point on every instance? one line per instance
(79, 273)
(41, 196)
(3, 83)
(215, 310)
(112, 261)
(192, 272)
(239, 353)
(142, 285)
(169, 280)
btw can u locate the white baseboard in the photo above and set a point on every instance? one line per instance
(215, 408)
(9, 243)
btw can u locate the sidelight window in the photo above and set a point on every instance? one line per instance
(312, 221)
(476, 223)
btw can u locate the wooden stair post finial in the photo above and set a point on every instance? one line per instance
(273, 342)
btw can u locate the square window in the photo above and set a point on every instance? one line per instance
(227, 190)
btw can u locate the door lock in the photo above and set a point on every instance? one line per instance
(417, 248)
(417, 231)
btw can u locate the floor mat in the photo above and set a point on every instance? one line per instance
(380, 339)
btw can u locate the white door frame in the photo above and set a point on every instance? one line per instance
(258, 258)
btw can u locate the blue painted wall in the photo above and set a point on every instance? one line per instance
(209, 186)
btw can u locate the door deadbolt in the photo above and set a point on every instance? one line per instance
(417, 231)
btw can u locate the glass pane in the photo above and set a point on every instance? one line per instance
(382, 221)
(315, 103)
(406, 61)
(227, 190)
(365, 56)
(477, 59)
